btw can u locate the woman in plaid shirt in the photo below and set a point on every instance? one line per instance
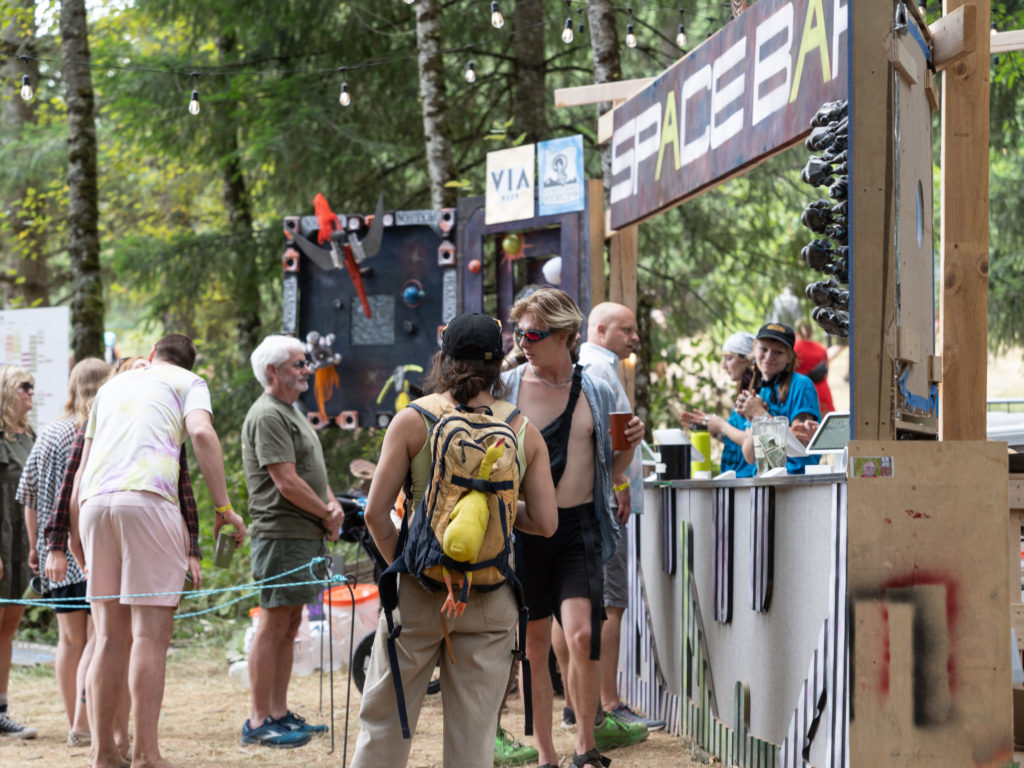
(39, 490)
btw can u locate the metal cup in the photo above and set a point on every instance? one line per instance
(225, 549)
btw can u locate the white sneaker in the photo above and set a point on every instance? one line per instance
(14, 729)
(79, 739)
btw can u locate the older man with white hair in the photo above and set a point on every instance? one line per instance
(293, 511)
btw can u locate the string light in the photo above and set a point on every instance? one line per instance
(344, 98)
(923, 8)
(409, 2)
(26, 82)
(681, 34)
(630, 35)
(193, 103)
(470, 72)
(994, 30)
(497, 20)
(567, 36)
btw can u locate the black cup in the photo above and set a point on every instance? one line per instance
(676, 459)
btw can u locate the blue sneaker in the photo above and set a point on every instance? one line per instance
(294, 722)
(627, 715)
(273, 734)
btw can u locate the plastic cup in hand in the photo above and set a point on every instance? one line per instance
(618, 422)
(225, 549)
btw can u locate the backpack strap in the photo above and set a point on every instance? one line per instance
(388, 590)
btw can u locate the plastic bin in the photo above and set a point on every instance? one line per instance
(338, 605)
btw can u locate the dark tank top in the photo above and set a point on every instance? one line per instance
(556, 434)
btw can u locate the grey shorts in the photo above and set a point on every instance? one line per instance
(616, 573)
(273, 557)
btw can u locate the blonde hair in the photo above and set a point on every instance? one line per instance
(87, 377)
(554, 308)
(11, 379)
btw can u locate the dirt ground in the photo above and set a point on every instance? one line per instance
(203, 712)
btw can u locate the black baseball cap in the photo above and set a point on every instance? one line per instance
(472, 336)
(778, 332)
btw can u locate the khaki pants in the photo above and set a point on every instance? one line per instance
(471, 689)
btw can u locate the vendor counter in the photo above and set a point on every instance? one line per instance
(766, 612)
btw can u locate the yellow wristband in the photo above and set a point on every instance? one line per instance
(622, 487)
(223, 510)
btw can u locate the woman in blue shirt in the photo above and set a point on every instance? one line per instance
(739, 365)
(780, 391)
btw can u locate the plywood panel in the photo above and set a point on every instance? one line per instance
(930, 541)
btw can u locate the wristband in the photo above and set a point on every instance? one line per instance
(622, 487)
(223, 510)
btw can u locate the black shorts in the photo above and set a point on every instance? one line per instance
(70, 598)
(566, 565)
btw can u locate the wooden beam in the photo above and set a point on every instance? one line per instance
(1004, 42)
(963, 308)
(597, 93)
(605, 127)
(872, 278)
(955, 35)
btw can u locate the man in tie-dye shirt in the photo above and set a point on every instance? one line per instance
(135, 541)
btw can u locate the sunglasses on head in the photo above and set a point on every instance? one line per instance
(27, 386)
(532, 335)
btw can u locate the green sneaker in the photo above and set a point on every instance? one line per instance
(614, 732)
(509, 751)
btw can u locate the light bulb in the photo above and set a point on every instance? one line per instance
(26, 88)
(344, 98)
(193, 103)
(681, 36)
(409, 2)
(994, 30)
(470, 72)
(630, 37)
(567, 36)
(497, 20)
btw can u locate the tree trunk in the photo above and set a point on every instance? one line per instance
(604, 45)
(529, 70)
(434, 100)
(83, 193)
(238, 202)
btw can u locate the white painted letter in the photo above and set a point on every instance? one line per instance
(650, 121)
(778, 24)
(697, 147)
(622, 161)
(727, 95)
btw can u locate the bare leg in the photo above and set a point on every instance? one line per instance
(151, 634)
(10, 616)
(72, 636)
(538, 645)
(80, 714)
(562, 654)
(610, 631)
(105, 678)
(123, 711)
(270, 662)
(583, 678)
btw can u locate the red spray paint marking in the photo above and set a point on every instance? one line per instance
(916, 515)
(883, 676)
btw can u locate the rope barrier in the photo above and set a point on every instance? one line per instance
(248, 589)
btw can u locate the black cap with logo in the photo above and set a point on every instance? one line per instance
(778, 332)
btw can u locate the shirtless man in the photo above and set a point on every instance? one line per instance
(563, 575)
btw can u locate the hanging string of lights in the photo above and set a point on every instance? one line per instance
(568, 35)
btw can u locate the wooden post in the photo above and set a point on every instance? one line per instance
(622, 257)
(872, 277)
(963, 310)
(595, 196)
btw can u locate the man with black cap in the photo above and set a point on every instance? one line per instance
(464, 375)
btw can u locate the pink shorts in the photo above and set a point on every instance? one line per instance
(136, 544)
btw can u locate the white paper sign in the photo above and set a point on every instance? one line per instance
(510, 189)
(38, 340)
(560, 176)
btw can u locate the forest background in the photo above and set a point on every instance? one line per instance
(145, 218)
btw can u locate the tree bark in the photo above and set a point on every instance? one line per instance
(604, 45)
(529, 71)
(83, 190)
(434, 100)
(238, 202)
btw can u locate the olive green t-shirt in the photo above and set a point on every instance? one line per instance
(275, 433)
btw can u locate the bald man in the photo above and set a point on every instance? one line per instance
(612, 336)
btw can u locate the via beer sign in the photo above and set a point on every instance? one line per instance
(743, 95)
